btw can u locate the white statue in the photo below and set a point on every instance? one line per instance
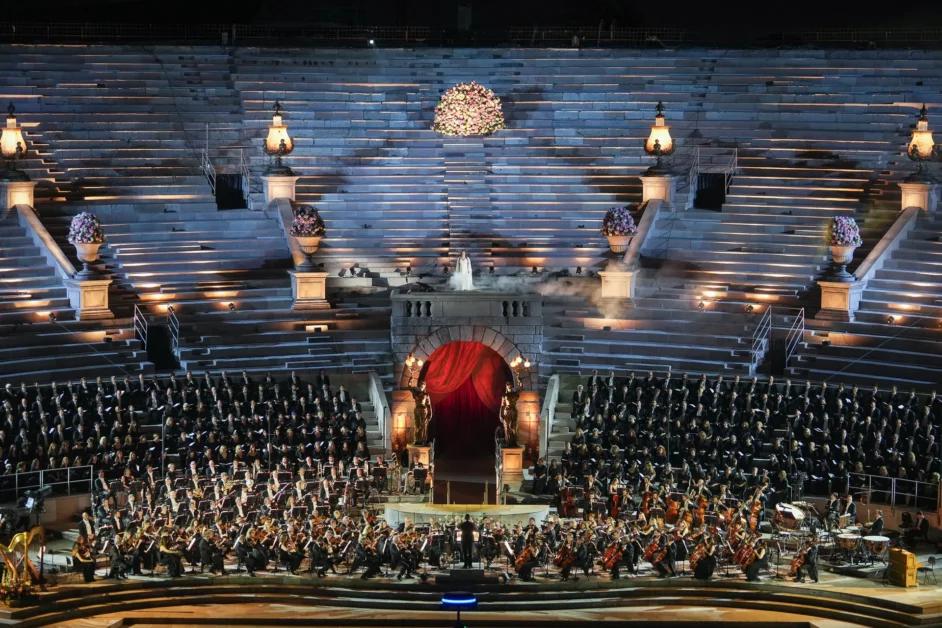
(461, 279)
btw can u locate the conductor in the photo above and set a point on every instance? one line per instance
(467, 540)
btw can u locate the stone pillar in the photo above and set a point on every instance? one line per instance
(309, 290)
(17, 193)
(840, 300)
(618, 283)
(419, 453)
(511, 467)
(279, 186)
(919, 194)
(89, 298)
(658, 186)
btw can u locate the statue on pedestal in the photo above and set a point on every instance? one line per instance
(422, 415)
(508, 412)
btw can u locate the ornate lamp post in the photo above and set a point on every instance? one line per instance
(278, 144)
(659, 143)
(922, 149)
(13, 147)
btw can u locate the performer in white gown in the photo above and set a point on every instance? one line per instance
(461, 279)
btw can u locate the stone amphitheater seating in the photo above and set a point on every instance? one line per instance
(118, 130)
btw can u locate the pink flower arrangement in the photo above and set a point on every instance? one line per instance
(618, 222)
(86, 229)
(307, 223)
(468, 109)
(843, 231)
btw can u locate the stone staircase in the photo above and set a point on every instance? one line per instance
(36, 348)
(875, 348)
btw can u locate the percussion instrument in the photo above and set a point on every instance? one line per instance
(847, 541)
(876, 545)
(843, 521)
(788, 516)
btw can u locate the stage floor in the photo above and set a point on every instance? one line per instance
(837, 601)
(421, 513)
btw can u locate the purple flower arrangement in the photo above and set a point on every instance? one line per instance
(468, 109)
(307, 223)
(86, 229)
(618, 222)
(843, 231)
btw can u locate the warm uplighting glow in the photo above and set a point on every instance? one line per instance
(921, 146)
(660, 137)
(278, 134)
(12, 137)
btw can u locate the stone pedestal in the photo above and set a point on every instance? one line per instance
(309, 290)
(279, 186)
(656, 186)
(17, 193)
(840, 300)
(919, 194)
(618, 283)
(419, 453)
(512, 467)
(89, 298)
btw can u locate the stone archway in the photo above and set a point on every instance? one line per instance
(440, 336)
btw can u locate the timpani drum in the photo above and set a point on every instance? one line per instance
(848, 541)
(876, 545)
(789, 516)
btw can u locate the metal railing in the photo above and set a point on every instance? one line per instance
(246, 178)
(140, 325)
(206, 166)
(174, 324)
(761, 340)
(795, 335)
(381, 409)
(896, 492)
(63, 482)
(548, 413)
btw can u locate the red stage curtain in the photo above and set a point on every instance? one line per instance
(463, 426)
(450, 365)
(465, 381)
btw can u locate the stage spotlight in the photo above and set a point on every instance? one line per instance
(701, 306)
(578, 270)
(750, 308)
(232, 307)
(536, 271)
(372, 42)
(890, 320)
(52, 317)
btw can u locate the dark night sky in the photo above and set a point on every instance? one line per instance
(702, 14)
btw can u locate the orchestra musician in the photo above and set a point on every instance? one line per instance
(170, 557)
(809, 561)
(758, 561)
(706, 562)
(83, 554)
(876, 528)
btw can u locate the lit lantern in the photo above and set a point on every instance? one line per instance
(278, 144)
(13, 147)
(659, 142)
(922, 148)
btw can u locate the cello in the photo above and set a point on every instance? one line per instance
(612, 555)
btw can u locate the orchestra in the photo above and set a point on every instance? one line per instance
(296, 496)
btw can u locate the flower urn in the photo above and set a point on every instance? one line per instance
(619, 243)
